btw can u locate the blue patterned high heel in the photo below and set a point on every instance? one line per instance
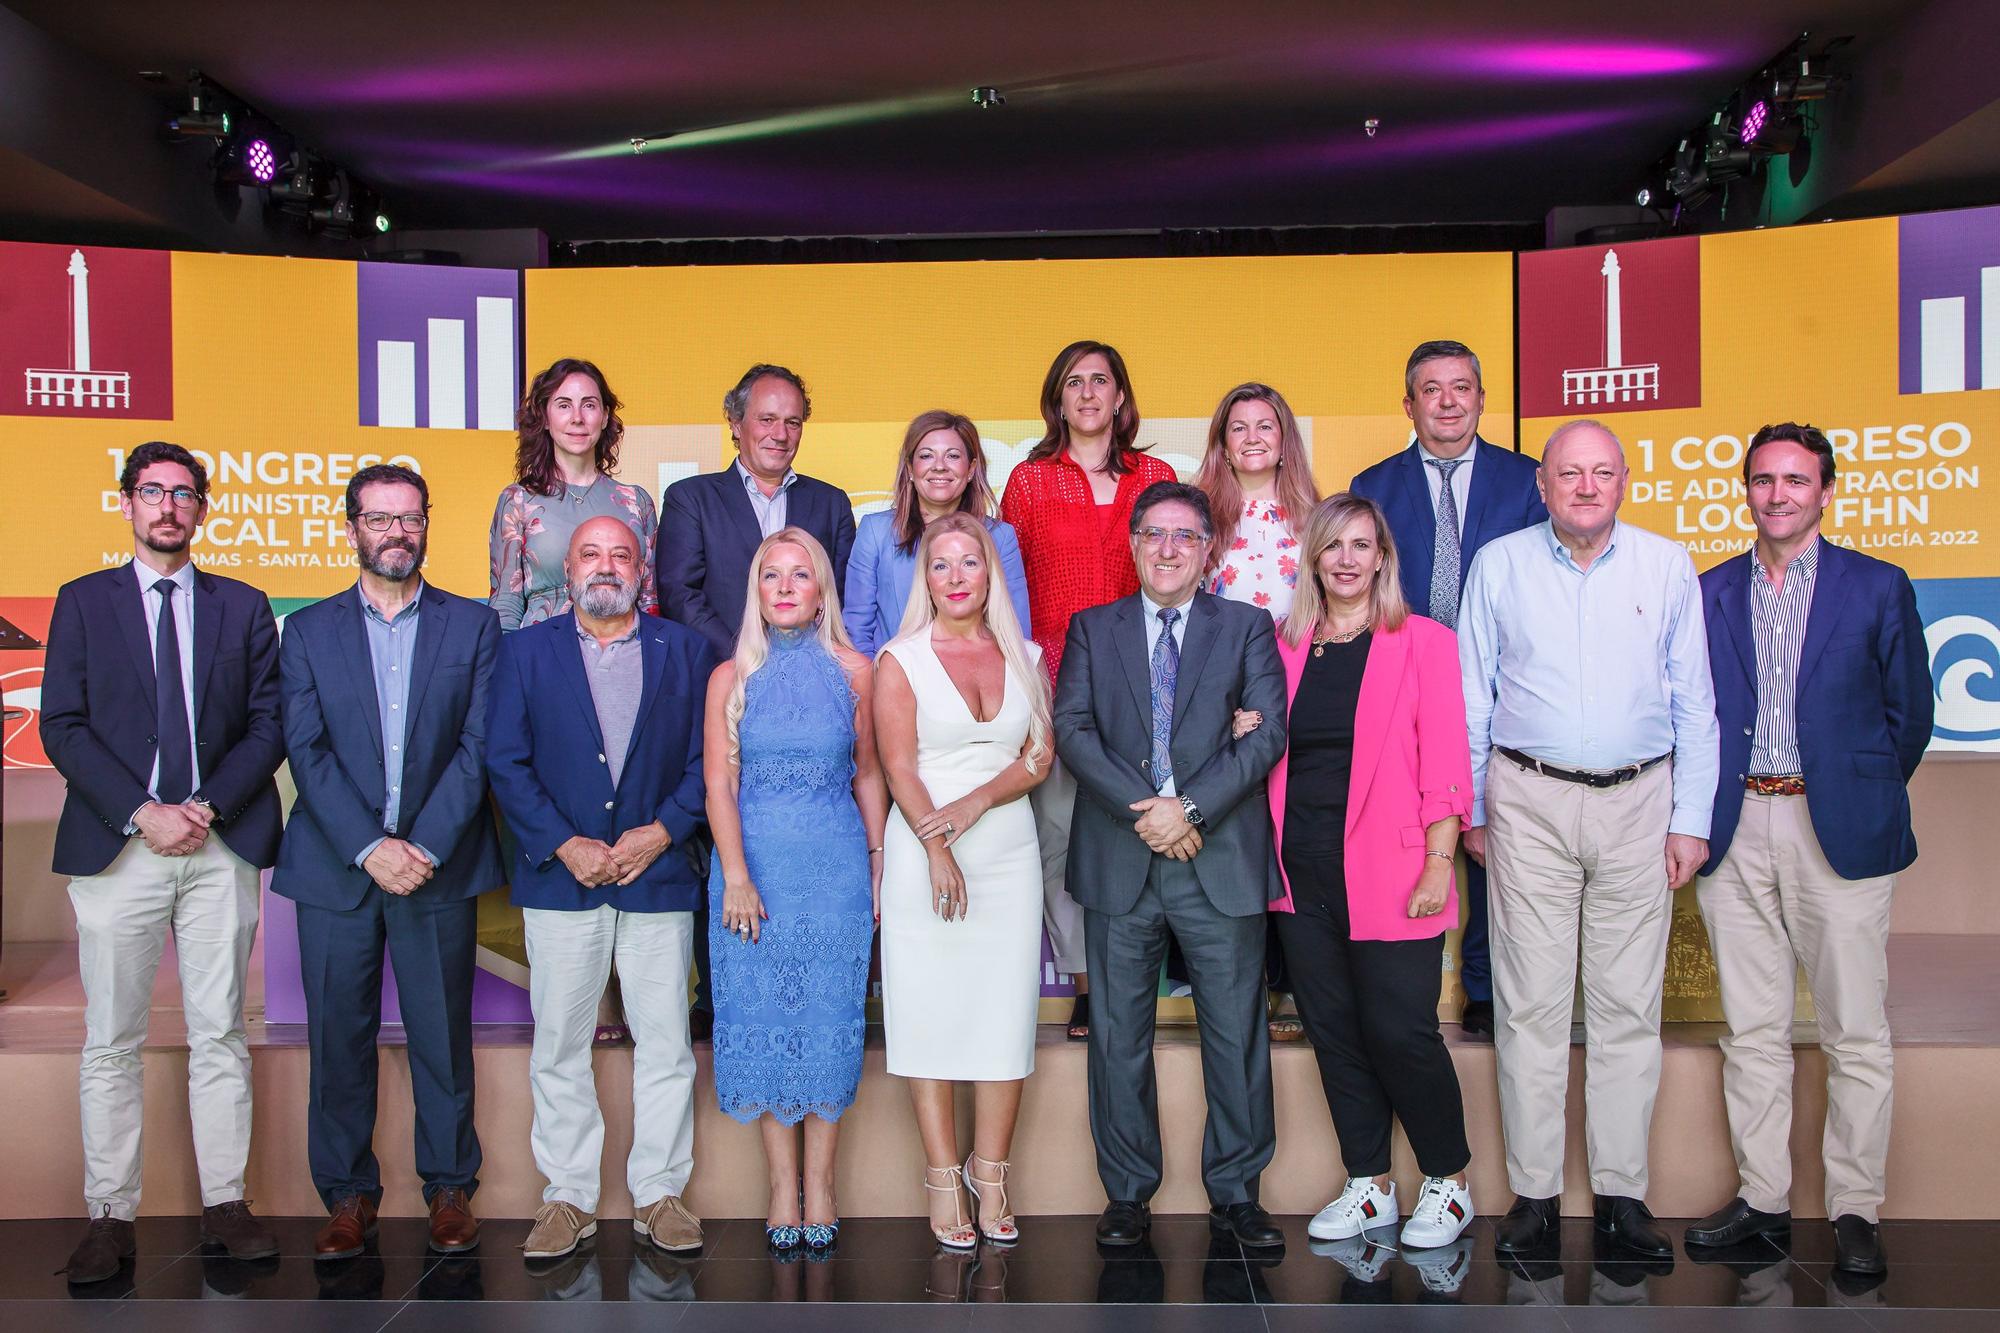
(782, 1238)
(820, 1236)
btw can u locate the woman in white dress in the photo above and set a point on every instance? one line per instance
(962, 719)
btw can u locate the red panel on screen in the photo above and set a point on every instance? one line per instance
(1611, 329)
(86, 331)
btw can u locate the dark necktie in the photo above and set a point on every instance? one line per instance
(1444, 552)
(176, 756)
(1166, 672)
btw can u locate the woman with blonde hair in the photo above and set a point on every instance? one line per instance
(940, 471)
(796, 806)
(963, 716)
(1366, 806)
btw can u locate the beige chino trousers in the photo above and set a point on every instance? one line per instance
(1774, 899)
(1570, 865)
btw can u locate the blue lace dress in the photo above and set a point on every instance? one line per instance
(788, 1008)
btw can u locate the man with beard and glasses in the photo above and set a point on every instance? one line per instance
(594, 738)
(390, 843)
(160, 710)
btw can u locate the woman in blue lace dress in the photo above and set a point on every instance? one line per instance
(797, 805)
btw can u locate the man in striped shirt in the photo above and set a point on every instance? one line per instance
(1823, 694)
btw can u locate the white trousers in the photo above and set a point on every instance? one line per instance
(1774, 899)
(569, 960)
(1054, 804)
(208, 901)
(1564, 860)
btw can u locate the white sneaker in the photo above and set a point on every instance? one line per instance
(1360, 1207)
(1443, 1211)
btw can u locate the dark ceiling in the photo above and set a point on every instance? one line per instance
(856, 119)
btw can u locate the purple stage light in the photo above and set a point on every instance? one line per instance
(261, 161)
(1753, 121)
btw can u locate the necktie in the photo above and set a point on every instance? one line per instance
(1166, 672)
(176, 756)
(1444, 552)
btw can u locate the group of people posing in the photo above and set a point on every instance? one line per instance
(735, 736)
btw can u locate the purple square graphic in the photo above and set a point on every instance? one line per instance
(396, 302)
(1941, 255)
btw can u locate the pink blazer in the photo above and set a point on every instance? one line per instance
(1411, 768)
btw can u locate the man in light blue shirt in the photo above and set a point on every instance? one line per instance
(1591, 720)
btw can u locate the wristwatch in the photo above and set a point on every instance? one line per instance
(1191, 810)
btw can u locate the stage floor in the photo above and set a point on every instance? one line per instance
(887, 1275)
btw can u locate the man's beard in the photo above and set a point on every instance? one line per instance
(167, 545)
(372, 560)
(606, 597)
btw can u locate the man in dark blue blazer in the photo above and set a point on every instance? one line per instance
(594, 747)
(710, 525)
(1823, 693)
(1487, 492)
(391, 841)
(160, 710)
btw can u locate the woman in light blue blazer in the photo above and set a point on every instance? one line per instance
(940, 470)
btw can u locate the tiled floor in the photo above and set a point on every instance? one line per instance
(887, 1275)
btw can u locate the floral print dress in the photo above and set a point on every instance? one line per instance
(530, 541)
(1261, 566)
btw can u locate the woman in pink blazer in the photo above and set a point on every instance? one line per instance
(1367, 803)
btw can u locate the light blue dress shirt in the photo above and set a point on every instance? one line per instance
(773, 509)
(392, 646)
(1590, 669)
(880, 575)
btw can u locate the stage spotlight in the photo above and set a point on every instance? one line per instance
(199, 124)
(1769, 129)
(261, 162)
(254, 157)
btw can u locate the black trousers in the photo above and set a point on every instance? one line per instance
(1370, 1011)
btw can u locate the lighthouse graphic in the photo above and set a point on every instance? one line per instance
(79, 384)
(1614, 381)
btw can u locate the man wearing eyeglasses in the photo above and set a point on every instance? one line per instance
(1171, 832)
(390, 843)
(160, 710)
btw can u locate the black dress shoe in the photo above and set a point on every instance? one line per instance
(1627, 1224)
(1530, 1226)
(1248, 1222)
(1476, 1019)
(1737, 1221)
(1857, 1245)
(1123, 1222)
(107, 1243)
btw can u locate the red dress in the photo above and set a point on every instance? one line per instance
(1077, 553)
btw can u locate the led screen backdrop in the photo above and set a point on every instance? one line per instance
(1885, 333)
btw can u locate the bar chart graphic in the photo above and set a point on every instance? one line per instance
(438, 348)
(1949, 301)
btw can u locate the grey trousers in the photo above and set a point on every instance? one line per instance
(1225, 958)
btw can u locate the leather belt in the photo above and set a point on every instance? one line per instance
(1776, 784)
(1582, 777)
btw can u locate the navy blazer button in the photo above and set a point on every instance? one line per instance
(602, 760)
(152, 740)
(1748, 732)
(609, 804)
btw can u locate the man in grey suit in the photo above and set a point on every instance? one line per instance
(1172, 832)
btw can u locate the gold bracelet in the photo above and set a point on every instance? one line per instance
(873, 850)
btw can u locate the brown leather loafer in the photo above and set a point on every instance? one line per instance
(347, 1233)
(107, 1244)
(454, 1229)
(232, 1227)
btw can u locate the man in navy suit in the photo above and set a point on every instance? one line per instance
(1823, 692)
(1446, 496)
(711, 525)
(594, 746)
(390, 842)
(160, 710)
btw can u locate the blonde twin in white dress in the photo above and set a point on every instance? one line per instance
(959, 998)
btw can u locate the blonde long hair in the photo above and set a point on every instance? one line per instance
(1297, 491)
(1387, 608)
(753, 641)
(920, 612)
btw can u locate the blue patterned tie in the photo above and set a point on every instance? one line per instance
(1444, 552)
(170, 702)
(1166, 672)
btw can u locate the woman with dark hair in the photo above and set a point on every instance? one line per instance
(569, 432)
(941, 470)
(1366, 807)
(1070, 503)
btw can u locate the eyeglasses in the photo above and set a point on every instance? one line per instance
(1171, 537)
(185, 497)
(376, 521)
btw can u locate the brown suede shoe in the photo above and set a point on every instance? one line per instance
(107, 1244)
(454, 1229)
(232, 1227)
(347, 1233)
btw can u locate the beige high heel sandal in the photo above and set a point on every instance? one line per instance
(1003, 1231)
(962, 1235)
